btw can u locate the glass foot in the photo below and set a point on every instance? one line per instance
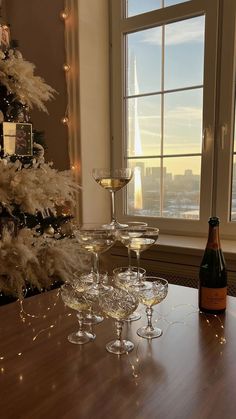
(127, 273)
(114, 225)
(98, 289)
(87, 280)
(149, 333)
(92, 319)
(140, 285)
(119, 347)
(81, 337)
(133, 317)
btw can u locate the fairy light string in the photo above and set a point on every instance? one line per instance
(134, 359)
(24, 314)
(64, 16)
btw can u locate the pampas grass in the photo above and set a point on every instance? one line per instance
(35, 188)
(17, 75)
(27, 260)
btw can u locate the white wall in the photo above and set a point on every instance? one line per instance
(38, 28)
(94, 105)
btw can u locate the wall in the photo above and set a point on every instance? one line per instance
(94, 105)
(37, 26)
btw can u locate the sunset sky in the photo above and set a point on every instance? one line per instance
(178, 66)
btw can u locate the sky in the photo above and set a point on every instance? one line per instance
(136, 7)
(183, 68)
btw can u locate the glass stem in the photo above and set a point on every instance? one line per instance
(149, 311)
(90, 312)
(138, 265)
(92, 264)
(113, 214)
(129, 259)
(96, 267)
(119, 326)
(80, 320)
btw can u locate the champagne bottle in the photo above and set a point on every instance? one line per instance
(213, 274)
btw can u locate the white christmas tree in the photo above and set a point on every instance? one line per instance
(36, 244)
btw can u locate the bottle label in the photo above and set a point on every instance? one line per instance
(213, 298)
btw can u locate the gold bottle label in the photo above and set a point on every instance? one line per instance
(213, 298)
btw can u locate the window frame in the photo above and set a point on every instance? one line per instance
(121, 26)
(226, 116)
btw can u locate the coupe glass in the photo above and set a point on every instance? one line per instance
(153, 291)
(113, 180)
(125, 276)
(118, 304)
(132, 228)
(95, 240)
(140, 240)
(77, 301)
(82, 282)
(122, 276)
(125, 281)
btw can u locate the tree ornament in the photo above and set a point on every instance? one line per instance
(49, 230)
(1, 117)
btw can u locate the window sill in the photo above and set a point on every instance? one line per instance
(180, 250)
(177, 258)
(192, 245)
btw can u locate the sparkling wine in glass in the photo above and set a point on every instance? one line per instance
(77, 301)
(153, 291)
(113, 180)
(133, 229)
(144, 239)
(95, 240)
(118, 304)
(139, 245)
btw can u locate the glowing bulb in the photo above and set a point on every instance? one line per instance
(64, 15)
(75, 167)
(65, 120)
(66, 67)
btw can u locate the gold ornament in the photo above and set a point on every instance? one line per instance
(1, 117)
(66, 229)
(49, 230)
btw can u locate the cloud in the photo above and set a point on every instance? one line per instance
(183, 32)
(156, 135)
(180, 113)
(183, 113)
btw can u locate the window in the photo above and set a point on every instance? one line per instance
(164, 118)
(173, 106)
(136, 7)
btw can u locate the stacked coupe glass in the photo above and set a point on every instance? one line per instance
(95, 296)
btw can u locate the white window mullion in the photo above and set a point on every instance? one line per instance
(162, 122)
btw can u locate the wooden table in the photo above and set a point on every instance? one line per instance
(188, 373)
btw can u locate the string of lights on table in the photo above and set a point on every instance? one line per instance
(134, 359)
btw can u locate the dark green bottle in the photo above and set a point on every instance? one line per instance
(213, 274)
